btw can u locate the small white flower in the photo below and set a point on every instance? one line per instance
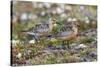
(74, 19)
(55, 24)
(24, 16)
(59, 10)
(32, 41)
(87, 20)
(69, 19)
(81, 46)
(42, 13)
(15, 42)
(19, 55)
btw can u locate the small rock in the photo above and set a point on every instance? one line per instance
(93, 54)
(84, 60)
(81, 46)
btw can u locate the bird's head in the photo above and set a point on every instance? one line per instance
(74, 22)
(52, 20)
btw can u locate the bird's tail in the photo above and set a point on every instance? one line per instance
(32, 34)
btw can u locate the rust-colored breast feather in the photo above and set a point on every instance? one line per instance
(67, 32)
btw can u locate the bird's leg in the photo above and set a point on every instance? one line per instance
(63, 45)
(68, 43)
(36, 39)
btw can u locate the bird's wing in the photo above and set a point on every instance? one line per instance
(42, 28)
(66, 33)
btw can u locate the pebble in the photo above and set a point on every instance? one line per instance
(84, 59)
(93, 54)
(81, 46)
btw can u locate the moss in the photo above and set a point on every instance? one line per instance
(87, 40)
